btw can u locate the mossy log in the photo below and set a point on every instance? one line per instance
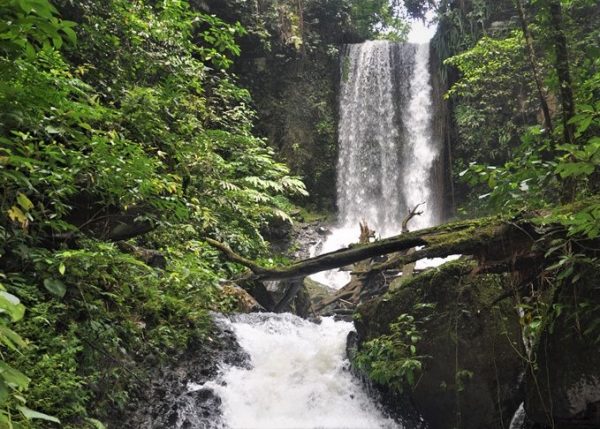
(491, 240)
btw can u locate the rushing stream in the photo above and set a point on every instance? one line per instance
(298, 378)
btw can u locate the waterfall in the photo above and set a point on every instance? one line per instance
(297, 374)
(367, 172)
(419, 150)
(387, 150)
(297, 377)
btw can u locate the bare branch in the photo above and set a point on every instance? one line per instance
(411, 213)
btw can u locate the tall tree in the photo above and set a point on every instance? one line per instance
(562, 69)
(533, 62)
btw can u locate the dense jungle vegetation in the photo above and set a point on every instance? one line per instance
(132, 131)
(123, 132)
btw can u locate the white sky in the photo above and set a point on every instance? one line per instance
(419, 33)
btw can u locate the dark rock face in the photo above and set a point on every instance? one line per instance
(472, 368)
(563, 386)
(168, 400)
(290, 295)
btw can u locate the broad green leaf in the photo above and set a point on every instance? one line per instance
(13, 377)
(30, 414)
(71, 36)
(11, 339)
(17, 215)
(55, 287)
(11, 305)
(24, 202)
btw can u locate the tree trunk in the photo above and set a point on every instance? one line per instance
(562, 70)
(488, 239)
(532, 57)
(566, 87)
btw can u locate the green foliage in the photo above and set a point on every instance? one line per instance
(542, 168)
(88, 346)
(392, 359)
(381, 19)
(496, 98)
(29, 25)
(137, 125)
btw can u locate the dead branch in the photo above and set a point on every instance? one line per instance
(411, 213)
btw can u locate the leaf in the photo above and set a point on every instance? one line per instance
(11, 305)
(568, 169)
(62, 269)
(96, 424)
(55, 287)
(70, 34)
(24, 202)
(30, 414)
(12, 376)
(4, 392)
(11, 339)
(17, 215)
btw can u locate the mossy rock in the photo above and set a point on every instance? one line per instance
(472, 367)
(317, 291)
(563, 383)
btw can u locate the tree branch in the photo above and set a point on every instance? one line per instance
(412, 213)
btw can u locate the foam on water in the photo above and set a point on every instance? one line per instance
(299, 378)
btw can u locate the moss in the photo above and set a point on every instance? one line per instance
(468, 342)
(563, 377)
(307, 215)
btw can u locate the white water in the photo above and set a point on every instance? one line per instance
(386, 147)
(299, 378)
(420, 149)
(299, 374)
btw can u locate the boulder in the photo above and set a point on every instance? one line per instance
(172, 395)
(469, 346)
(563, 382)
(243, 301)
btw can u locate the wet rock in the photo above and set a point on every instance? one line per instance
(323, 231)
(172, 396)
(277, 229)
(469, 347)
(290, 295)
(245, 303)
(317, 291)
(261, 293)
(563, 387)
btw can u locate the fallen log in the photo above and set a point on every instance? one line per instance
(488, 239)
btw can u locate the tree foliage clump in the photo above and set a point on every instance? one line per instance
(118, 121)
(525, 105)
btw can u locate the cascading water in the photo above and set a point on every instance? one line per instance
(386, 145)
(299, 378)
(298, 373)
(420, 151)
